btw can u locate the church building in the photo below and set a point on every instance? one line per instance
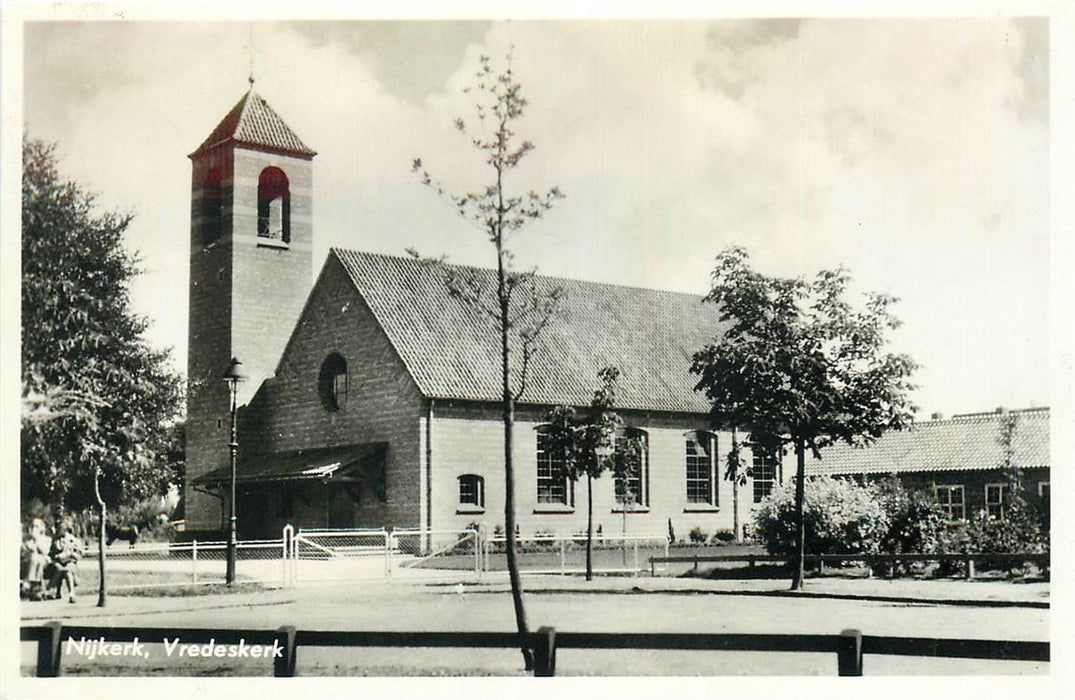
(373, 399)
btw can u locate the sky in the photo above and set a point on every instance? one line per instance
(915, 152)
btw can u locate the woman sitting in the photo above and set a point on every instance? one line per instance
(35, 557)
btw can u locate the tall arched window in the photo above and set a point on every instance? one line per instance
(702, 468)
(274, 205)
(552, 483)
(332, 382)
(632, 467)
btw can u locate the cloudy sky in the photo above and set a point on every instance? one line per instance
(914, 152)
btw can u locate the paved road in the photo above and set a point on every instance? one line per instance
(624, 605)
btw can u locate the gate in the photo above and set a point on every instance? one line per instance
(350, 554)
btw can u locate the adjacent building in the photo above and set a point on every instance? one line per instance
(965, 461)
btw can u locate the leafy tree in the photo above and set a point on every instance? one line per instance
(97, 399)
(593, 443)
(519, 309)
(799, 367)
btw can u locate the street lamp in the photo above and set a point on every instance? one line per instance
(233, 376)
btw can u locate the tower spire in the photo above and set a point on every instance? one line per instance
(250, 56)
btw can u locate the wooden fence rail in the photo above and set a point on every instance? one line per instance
(892, 560)
(849, 646)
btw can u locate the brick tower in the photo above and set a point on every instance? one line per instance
(251, 259)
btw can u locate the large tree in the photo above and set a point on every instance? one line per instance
(516, 305)
(97, 398)
(799, 367)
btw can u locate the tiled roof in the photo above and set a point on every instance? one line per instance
(252, 122)
(453, 352)
(960, 443)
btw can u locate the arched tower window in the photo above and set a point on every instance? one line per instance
(274, 205)
(332, 382)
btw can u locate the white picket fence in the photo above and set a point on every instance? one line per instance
(311, 555)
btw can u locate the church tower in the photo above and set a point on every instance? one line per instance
(251, 257)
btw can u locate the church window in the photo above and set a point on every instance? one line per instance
(552, 483)
(274, 206)
(333, 382)
(472, 491)
(701, 468)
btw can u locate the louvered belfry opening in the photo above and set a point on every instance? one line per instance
(274, 205)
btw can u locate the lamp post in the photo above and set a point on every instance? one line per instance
(233, 376)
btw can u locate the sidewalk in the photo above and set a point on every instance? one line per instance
(943, 592)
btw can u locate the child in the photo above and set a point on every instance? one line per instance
(65, 553)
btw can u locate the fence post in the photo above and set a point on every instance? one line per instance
(750, 560)
(545, 652)
(48, 650)
(849, 653)
(563, 557)
(284, 666)
(821, 564)
(892, 567)
(194, 560)
(387, 554)
(970, 567)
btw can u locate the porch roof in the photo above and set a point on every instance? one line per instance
(328, 463)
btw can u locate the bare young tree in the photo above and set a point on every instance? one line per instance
(520, 308)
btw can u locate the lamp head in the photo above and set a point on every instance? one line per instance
(234, 372)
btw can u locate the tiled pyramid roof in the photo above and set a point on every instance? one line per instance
(972, 441)
(453, 352)
(252, 122)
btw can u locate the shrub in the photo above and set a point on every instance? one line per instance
(915, 523)
(839, 517)
(697, 535)
(723, 536)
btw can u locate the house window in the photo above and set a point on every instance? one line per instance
(950, 501)
(632, 458)
(701, 468)
(332, 382)
(472, 491)
(552, 484)
(764, 472)
(995, 500)
(274, 206)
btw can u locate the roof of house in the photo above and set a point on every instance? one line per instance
(452, 352)
(972, 441)
(252, 122)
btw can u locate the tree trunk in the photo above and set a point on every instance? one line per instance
(798, 565)
(735, 490)
(102, 514)
(509, 473)
(589, 527)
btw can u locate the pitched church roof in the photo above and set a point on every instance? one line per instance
(453, 352)
(252, 122)
(972, 441)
